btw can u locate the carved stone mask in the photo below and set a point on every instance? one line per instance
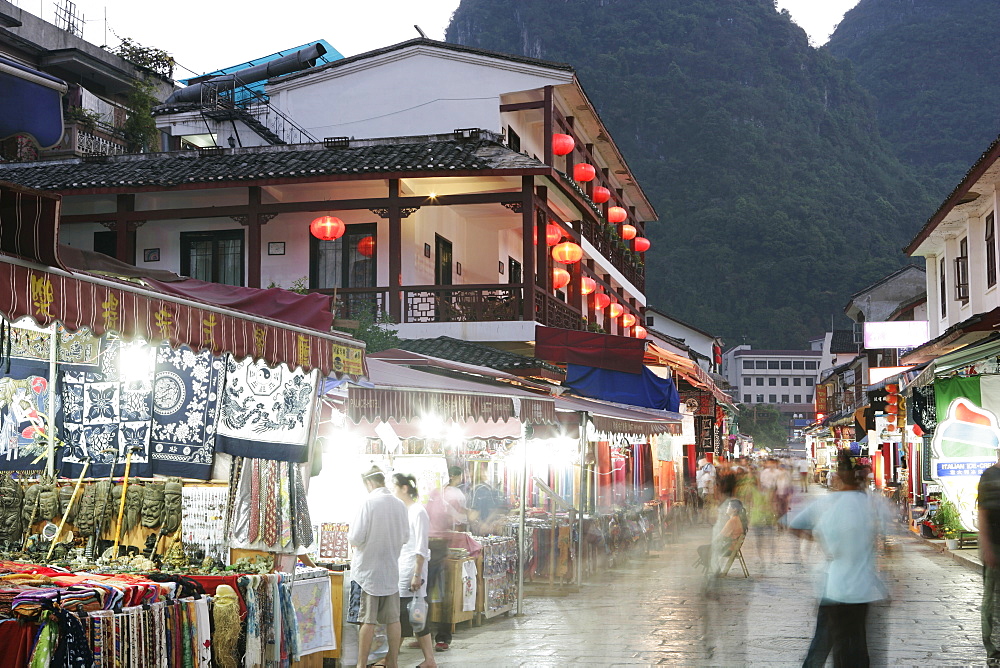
(48, 503)
(85, 511)
(11, 497)
(29, 512)
(172, 506)
(152, 506)
(65, 494)
(133, 505)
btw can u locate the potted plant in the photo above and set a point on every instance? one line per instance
(949, 524)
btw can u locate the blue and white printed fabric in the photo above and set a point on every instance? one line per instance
(186, 392)
(107, 412)
(266, 413)
(24, 399)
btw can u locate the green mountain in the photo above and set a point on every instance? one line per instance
(931, 66)
(777, 197)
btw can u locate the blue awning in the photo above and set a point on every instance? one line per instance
(30, 103)
(636, 389)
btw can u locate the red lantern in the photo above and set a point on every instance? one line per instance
(560, 278)
(562, 144)
(600, 195)
(892, 388)
(892, 398)
(890, 427)
(367, 246)
(616, 310)
(892, 409)
(628, 232)
(584, 172)
(567, 253)
(639, 332)
(553, 234)
(601, 301)
(628, 320)
(327, 228)
(587, 285)
(917, 431)
(641, 244)
(890, 418)
(617, 214)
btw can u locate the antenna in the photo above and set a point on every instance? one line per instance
(67, 19)
(420, 31)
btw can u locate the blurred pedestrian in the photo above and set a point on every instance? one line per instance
(847, 523)
(989, 553)
(378, 533)
(448, 511)
(803, 466)
(413, 560)
(706, 487)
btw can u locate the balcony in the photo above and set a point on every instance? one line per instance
(421, 304)
(610, 245)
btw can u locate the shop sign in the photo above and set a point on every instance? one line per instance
(896, 334)
(964, 445)
(821, 399)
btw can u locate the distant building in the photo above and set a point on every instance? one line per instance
(782, 378)
(673, 332)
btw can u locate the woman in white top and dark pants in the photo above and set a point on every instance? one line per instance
(413, 559)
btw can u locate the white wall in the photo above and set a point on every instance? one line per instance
(417, 90)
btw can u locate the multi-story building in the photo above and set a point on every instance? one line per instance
(785, 379)
(95, 106)
(448, 230)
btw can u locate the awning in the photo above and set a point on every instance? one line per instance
(691, 372)
(611, 418)
(78, 301)
(30, 103)
(604, 351)
(403, 394)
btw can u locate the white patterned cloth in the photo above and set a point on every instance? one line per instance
(266, 413)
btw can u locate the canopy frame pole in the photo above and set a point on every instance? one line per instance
(520, 520)
(50, 408)
(579, 503)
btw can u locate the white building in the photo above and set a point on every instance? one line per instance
(785, 379)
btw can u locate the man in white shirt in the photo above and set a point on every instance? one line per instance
(378, 533)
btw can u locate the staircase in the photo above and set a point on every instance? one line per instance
(254, 110)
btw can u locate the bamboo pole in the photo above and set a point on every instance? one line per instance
(69, 506)
(121, 504)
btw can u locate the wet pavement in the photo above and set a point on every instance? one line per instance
(650, 611)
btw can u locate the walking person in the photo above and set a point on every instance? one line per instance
(448, 511)
(847, 523)
(989, 553)
(378, 533)
(413, 560)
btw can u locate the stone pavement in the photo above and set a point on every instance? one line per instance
(651, 611)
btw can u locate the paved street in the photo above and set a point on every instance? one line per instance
(650, 612)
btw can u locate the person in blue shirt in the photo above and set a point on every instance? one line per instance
(847, 523)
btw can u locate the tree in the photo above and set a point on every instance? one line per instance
(140, 128)
(765, 424)
(373, 329)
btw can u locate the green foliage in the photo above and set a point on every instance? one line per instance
(373, 329)
(146, 57)
(777, 197)
(140, 128)
(948, 519)
(921, 78)
(765, 424)
(86, 118)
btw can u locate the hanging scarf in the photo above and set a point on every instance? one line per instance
(248, 587)
(289, 623)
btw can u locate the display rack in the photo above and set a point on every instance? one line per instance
(498, 575)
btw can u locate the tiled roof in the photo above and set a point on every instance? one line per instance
(468, 352)
(432, 153)
(842, 341)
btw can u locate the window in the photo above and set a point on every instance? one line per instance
(513, 140)
(649, 323)
(772, 364)
(772, 381)
(809, 398)
(962, 271)
(347, 262)
(786, 364)
(760, 381)
(799, 365)
(784, 382)
(809, 382)
(761, 364)
(943, 289)
(772, 398)
(746, 380)
(991, 251)
(798, 398)
(812, 365)
(796, 381)
(747, 364)
(784, 398)
(760, 399)
(746, 398)
(213, 256)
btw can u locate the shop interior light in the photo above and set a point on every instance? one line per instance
(135, 362)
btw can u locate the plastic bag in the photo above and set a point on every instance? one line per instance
(418, 613)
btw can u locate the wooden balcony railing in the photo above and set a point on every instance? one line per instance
(607, 244)
(456, 303)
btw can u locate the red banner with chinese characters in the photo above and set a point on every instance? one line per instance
(105, 306)
(821, 402)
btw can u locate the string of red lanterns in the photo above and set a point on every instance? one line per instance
(601, 301)
(553, 234)
(600, 195)
(639, 332)
(587, 285)
(583, 171)
(617, 214)
(628, 320)
(560, 278)
(641, 244)
(628, 232)
(615, 310)
(567, 253)
(562, 144)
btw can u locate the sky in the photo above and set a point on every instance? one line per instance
(205, 36)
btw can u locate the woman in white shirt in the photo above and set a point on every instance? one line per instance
(413, 560)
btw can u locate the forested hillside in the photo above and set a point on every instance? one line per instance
(778, 198)
(932, 67)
